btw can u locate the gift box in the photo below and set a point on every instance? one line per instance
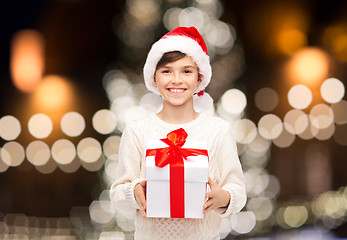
(176, 173)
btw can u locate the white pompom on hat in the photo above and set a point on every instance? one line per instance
(186, 40)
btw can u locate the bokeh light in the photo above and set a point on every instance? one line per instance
(40, 125)
(299, 96)
(192, 16)
(146, 12)
(295, 121)
(332, 90)
(270, 126)
(285, 139)
(3, 165)
(63, 151)
(72, 124)
(94, 166)
(104, 121)
(266, 99)
(89, 150)
(171, 19)
(98, 214)
(295, 216)
(340, 112)
(110, 174)
(290, 40)
(27, 59)
(126, 221)
(326, 133)
(116, 85)
(234, 101)
(259, 144)
(308, 66)
(10, 128)
(309, 133)
(54, 93)
(12, 154)
(70, 167)
(261, 207)
(321, 116)
(48, 168)
(151, 102)
(334, 38)
(256, 181)
(38, 153)
(244, 131)
(111, 146)
(220, 35)
(340, 134)
(243, 222)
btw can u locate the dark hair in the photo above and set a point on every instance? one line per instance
(173, 56)
(169, 57)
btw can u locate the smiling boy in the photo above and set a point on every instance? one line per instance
(178, 68)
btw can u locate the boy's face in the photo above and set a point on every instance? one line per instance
(177, 81)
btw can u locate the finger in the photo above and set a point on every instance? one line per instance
(143, 206)
(207, 204)
(209, 195)
(207, 207)
(143, 210)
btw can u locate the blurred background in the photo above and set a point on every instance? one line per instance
(71, 78)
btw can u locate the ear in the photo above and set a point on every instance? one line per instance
(154, 83)
(199, 79)
(199, 82)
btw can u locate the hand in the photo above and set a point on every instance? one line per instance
(140, 196)
(216, 198)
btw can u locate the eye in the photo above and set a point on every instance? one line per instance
(165, 71)
(187, 71)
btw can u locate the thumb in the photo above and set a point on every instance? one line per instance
(211, 183)
(143, 183)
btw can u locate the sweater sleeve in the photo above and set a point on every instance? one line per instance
(128, 172)
(230, 177)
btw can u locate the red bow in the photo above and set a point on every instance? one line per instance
(174, 155)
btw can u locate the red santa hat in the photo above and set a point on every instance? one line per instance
(186, 40)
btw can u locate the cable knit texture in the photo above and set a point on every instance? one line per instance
(224, 169)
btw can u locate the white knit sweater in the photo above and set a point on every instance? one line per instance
(224, 168)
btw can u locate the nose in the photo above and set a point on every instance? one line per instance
(176, 79)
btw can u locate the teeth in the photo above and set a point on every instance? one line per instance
(175, 90)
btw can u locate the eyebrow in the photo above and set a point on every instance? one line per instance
(186, 66)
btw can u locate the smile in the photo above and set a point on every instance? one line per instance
(176, 90)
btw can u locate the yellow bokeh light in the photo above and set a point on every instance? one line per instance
(309, 66)
(335, 39)
(54, 93)
(291, 40)
(27, 59)
(295, 216)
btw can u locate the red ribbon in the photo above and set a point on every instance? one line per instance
(174, 155)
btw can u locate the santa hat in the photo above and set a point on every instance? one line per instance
(189, 41)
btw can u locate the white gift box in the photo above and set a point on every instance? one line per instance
(158, 183)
